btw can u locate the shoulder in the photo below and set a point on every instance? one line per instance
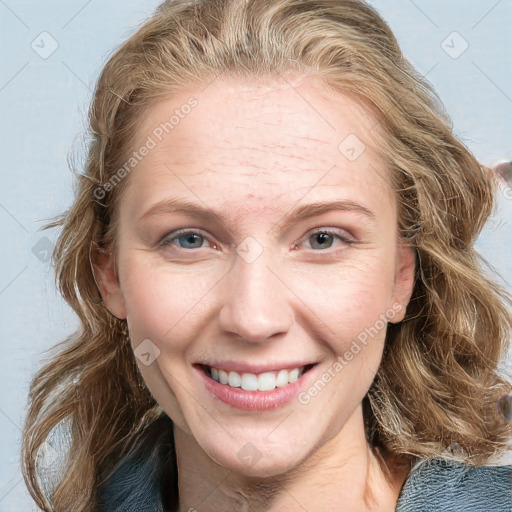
(139, 480)
(442, 485)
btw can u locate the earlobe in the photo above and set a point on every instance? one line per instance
(105, 275)
(404, 279)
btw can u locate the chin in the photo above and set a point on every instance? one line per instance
(246, 459)
(265, 467)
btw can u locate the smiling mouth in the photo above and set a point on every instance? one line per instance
(266, 381)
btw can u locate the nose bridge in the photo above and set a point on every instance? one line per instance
(256, 304)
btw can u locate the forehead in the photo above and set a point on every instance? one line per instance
(284, 134)
(300, 114)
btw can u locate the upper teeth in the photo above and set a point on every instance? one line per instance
(252, 382)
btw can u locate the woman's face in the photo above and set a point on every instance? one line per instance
(251, 278)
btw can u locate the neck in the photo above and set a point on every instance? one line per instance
(343, 473)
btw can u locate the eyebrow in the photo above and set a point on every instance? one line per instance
(177, 205)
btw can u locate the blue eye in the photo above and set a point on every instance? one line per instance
(186, 239)
(325, 239)
(190, 239)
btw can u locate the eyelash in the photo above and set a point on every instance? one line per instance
(331, 232)
(167, 241)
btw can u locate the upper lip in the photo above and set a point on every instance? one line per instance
(241, 367)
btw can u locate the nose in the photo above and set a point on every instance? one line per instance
(256, 301)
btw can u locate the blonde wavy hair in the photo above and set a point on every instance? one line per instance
(439, 378)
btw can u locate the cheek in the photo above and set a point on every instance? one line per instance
(349, 300)
(167, 302)
(162, 301)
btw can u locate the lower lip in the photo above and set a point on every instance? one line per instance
(256, 400)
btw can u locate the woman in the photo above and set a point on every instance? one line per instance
(271, 255)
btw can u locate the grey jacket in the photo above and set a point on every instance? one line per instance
(441, 485)
(433, 485)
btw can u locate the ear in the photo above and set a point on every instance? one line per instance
(404, 280)
(105, 274)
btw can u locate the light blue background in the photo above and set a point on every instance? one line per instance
(43, 108)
